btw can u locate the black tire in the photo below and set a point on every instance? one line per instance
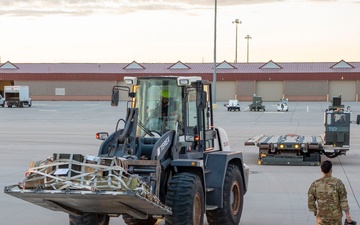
(129, 220)
(186, 198)
(358, 119)
(233, 197)
(89, 219)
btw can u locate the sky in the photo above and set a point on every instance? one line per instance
(168, 31)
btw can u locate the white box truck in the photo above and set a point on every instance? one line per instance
(17, 96)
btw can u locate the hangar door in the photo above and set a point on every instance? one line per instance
(347, 90)
(269, 90)
(225, 90)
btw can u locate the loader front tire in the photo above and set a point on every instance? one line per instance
(233, 196)
(186, 198)
(89, 219)
(129, 220)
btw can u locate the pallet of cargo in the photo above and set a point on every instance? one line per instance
(89, 184)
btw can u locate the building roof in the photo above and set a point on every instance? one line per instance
(180, 68)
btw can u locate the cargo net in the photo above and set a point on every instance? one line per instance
(84, 173)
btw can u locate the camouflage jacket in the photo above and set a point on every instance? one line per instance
(328, 197)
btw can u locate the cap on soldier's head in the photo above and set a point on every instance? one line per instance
(326, 166)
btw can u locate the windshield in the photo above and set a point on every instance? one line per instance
(159, 104)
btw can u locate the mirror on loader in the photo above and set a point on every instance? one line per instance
(115, 98)
(201, 102)
(115, 94)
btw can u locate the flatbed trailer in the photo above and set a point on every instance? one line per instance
(293, 149)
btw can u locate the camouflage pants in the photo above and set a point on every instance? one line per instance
(328, 221)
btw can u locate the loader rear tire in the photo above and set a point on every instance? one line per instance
(186, 198)
(89, 219)
(233, 197)
(129, 220)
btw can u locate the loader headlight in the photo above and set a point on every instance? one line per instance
(296, 146)
(281, 146)
(102, 135)
(184, 81)
(130, 80)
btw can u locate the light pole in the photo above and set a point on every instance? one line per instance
(237, 22)
(214, 75)
(247, 56)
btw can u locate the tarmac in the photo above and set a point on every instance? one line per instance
(277, 195)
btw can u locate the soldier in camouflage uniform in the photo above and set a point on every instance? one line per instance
(327, 198)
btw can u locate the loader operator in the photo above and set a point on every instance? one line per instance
(164, 111)
(165, 107)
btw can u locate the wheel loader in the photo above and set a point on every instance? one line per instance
(165, 160)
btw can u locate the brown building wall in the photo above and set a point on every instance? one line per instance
(69, 90)
(245, 90)
(225, 90)
(97, 86)
(302, 90)
(345, 88)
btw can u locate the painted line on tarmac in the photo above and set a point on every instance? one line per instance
(274, 112)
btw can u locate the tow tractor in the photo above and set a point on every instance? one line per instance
(256, 104)
(294, 149)
(233, 105)
(168, 160)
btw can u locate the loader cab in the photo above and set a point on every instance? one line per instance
(171, 103)
(173, 111)
(158, 101)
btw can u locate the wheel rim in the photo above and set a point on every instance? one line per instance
(197, 209)
(235, 198)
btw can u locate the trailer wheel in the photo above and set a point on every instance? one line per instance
(186, 198)
(89, 219)
(233, 196)
(129, 220)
